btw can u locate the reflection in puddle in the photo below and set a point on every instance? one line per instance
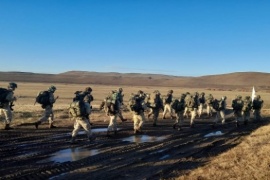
(164, 157)
(144, 138)
(96, 130)
(71, 154)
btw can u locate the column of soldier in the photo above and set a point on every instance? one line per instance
(188, 105)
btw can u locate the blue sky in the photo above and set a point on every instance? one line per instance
(173, 37)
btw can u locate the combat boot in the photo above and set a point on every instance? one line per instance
(37, 124)
(51, 126)
(174, 126)
(72, 141)
(7, 127)
(237, 124)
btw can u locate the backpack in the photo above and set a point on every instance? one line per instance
(43, 98)
(77, 109)
(237, 105)
(167, 99)
(257, 104)
(189, 101)
(247, 105)
(3, 95)
(178, 105)
(218, 104)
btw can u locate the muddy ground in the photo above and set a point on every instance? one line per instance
(159, 153)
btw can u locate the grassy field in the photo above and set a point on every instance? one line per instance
(249, 160)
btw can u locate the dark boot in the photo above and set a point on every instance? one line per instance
(51, 126)
(174, 126)
(7, 127)
(37, 124)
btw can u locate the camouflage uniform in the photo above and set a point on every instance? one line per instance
(202, 102)
(257, 105)
(83, 122)
(155, 104)
(120, 103)
(138, 109)
(113, 113)
(48, 113)
(167, 104)
(6, 106)
(194, 109)
(209, 105)
(237, 105)
(180, 113)
(246, 109)
(221, 111)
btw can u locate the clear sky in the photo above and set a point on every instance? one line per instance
(173, 37)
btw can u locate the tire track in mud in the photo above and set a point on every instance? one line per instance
(21, 149)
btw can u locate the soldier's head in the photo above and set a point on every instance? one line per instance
(12, 86)
(202, 93)
(258, 97)
(183, 96)
(88, 89)
(224, 97)
(120, 90)
(170, 91)
(52, 88)
(247, 97)
(239, 97)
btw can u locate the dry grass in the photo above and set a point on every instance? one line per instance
(248, 160)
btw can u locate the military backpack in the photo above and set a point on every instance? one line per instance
(77, 109)
(43, 98)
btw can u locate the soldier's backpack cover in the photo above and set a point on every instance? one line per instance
(43, 98)
(3, 94)
(77, 109)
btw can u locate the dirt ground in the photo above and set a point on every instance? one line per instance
(158, 153)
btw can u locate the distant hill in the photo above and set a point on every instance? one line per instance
(223, 81)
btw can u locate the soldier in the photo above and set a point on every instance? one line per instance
(83, 121)
(201, 105)
(120, 103)
(155, 104)
(137, 108)
(237, 105)
(257, 105)
(167, 104)
(186, 112)
(48, 113)
(7, 103)
(112, 106)
(209, 105)
(192, 104)
(246, 109)
(179, 107)
(220, 109)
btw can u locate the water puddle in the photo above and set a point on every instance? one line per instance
(70, 154)
(217, 133)
(144, 138)
(97, 130)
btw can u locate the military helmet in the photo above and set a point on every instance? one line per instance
(52, 88)
(120, 89)
(170, 91)
(140, 92)
(88, 89)
(202, 93)
(239, 96)
(258, 96)
(12, 85)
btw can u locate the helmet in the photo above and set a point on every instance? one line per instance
(12, 85)
(120, 89)
(88, 89)
(52, 88)
(247, 97)
(239, 96)
(258, 96)
(170, 91)
(140, 92)
(202, 93)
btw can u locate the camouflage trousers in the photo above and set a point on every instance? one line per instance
(167, 109)
(47, 115)
(257, 114)
(7, 113)
(246, 115)
(200, 110)
(138, 120)
(238, 116)
(209, 109)
(85, 124)
(220, 115)
(179, 118)
(113, 124)
(193, 115)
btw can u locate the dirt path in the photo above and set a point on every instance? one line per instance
(161, 152)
